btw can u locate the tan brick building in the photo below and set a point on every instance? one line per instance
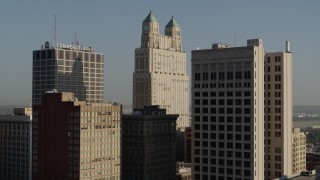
(75, 139)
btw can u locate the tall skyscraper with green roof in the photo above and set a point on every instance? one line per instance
(160, 76)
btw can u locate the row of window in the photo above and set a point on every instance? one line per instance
(222, 102)
(238, 75)
(223, 110)
(222, 119)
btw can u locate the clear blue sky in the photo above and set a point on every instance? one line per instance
(114, 28)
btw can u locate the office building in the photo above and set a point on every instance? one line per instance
(298, 151)
(69, 68)
(75, 139)
(228, 112)
(149, 144)
(15, 145)
(278, 114)
(160, 76)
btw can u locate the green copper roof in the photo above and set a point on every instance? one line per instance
(172, 23)
(150, 18)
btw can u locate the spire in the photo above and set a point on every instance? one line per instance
(172, 23)
(150, 18)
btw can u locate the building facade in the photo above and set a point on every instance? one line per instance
(68, 68)
(228, 112)
(298, 151)
(15, 146)
(75, 139)
(278, 114)
(149, 145)
(160, 76)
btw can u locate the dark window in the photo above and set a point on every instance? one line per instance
(204, 101)
(247, 146)
(212, 102)
(205, 94)
(247, 93)
(213, 76)
(213, 94)
(221, 75)
(229, 75)
(197, 101)
(197, 94)
(221, 94)
(247, 75)
(229, 102)
(205, 135)
(205, 76)
(213, 127)
(247, 110)
(238, 93)
(247, 102)
(197, 76)
(212, 144)
(221, 101)
(229, 110)
(238, 75)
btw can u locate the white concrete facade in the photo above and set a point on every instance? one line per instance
(228, 112)
(278, 114)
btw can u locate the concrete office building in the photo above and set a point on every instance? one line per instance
(69, 68)
(228, 112)
(75, 139)
(15, 146)
(160, 76)
(298, 151)
(149, 145)
(278, 114)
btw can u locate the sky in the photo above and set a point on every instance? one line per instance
(114, 29)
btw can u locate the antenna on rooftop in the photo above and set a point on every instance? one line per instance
(55, 30)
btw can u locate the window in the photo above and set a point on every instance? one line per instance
(197, 77)
(238, 75)
(221, 76)
(205, 76)
(247, 75)
(213, 76)
(229, 75)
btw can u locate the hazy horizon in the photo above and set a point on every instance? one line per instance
(114, 29)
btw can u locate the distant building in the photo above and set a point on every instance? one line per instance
(278, 113)
(148, 145)
(298, 151)
(22, 111)
(75, 139)
(160, 72)
(69, 68)
(228, 112)
(15, 145)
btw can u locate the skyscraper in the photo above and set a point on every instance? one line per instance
(149, 144)
(228, 112)
(75, 139)
(160, 76)
(278, 114)
(69, 68)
